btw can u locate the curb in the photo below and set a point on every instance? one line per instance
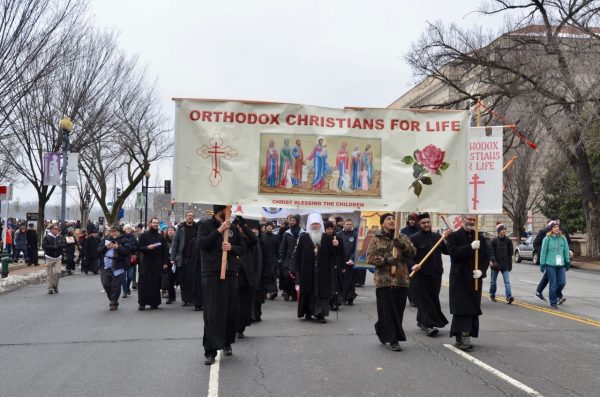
(12, 283)
(594, 267)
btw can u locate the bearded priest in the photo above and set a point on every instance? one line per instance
(312, 265)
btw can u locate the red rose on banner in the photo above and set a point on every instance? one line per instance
(427, 161)
(431, 157)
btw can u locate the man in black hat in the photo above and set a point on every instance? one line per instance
(427, 281)
(248, 276)
(220, 297)
(288, 245)
(155, 259)
(270, 250)
(412, 224)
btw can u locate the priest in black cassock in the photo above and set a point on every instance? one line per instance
(220, 297)
(465, 300)
(248, 275)
(312, 263)
(427, 281)
(155, 258)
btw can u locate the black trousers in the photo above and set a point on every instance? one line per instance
(111, 284)
(360, 276)
(221, 307)
(246, 299)
(391, 302)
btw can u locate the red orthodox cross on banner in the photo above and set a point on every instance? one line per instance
(475, 181)
(215, 151)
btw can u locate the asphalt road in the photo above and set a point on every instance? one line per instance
(71, 345)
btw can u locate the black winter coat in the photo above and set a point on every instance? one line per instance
(121, 255)
(464, 299)
(209, 243)
(424, 242)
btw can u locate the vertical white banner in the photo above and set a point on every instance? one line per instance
(484, 177)
(73, 169)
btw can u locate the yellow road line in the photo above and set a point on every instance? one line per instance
(554, 312)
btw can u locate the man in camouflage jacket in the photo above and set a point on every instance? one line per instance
(391, 280)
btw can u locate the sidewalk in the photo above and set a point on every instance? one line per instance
(581, 262)
(21, 275)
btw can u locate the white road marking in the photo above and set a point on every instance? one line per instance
(213, 382)
(494, 371)
(529, 282)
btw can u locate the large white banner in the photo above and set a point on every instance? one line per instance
(485, 170)
(298, 156)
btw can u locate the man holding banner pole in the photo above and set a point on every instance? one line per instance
(465, 299)
(427, 280)
(389, 255)
(220, 297)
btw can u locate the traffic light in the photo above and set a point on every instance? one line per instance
(167, 187)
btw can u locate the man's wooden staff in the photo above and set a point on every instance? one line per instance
(225, 240)
(395, 251)
(430, 252)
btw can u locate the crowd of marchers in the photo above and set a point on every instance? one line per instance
(228, 268)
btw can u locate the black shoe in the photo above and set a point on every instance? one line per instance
(86, 272)
(227, 351)
(321, 319)
(133, 286)
(125, 295)
(350, 303)
(209, 360)
(240, 335)
(562, 300)
(395, 347)
(112, 307)
(142, 307)
(431, 331)
(169, 301)
(492, 298)
(307, 317)
(510, 300)
(56, 290)
(154, 307)
(198, 308)
(69, 272)
(50, 291)
(421, 327)
(286, 296)
(381, 340)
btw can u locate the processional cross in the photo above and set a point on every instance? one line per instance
(216, 151)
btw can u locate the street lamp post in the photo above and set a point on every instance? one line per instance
(147, 175)
(66, 126)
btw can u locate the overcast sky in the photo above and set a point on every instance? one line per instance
(323, 53)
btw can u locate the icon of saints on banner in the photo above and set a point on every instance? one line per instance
(320, 165)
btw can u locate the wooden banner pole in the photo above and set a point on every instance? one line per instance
(225, 240)
(395, 252)
(426, 257)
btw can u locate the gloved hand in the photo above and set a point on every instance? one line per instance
(477, 273)
(390, 260)
(397, 243)
(476, 244)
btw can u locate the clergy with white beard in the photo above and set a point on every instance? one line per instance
(312, 262)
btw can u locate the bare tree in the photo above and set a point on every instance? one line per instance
(138, 137)
(547, 55)
(31, 33)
